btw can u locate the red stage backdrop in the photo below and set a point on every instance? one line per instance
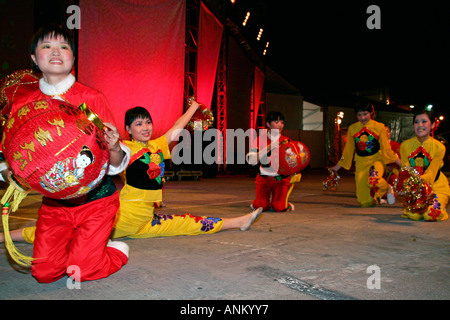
(209, 39)
(133, 52)
(259, 84)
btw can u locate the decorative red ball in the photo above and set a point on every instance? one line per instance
(202, 119)
(294, 156)
(53, 148)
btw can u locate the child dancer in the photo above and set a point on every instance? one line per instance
(136, 217)
(271, 188)
(426, 155)
(369, 139)
(72, 232)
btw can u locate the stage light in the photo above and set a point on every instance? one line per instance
(411, 106)
(441, 118)
(265, 50)
(259, 34)
(429, 107)
(246, 19)
(233, 1)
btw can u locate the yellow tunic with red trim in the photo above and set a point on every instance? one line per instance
(370, 142)
(428, 158)
(136, 217)
(367, 144)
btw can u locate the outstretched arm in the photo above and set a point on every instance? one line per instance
(173, 133)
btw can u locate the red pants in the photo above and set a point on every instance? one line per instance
(76, 236)
(267, 187)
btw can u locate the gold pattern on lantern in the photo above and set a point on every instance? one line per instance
(17, 156)
(41, 105)
(10, 123)
(43, 136)
(58, 123)
(23, 111)
(28, 147)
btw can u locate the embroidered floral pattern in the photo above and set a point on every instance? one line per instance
(366, 142)
(155, 163)
(435, 209)
(154, 171)
(373, 181)
(373, 177)
(420, 160)
(157, 218)
(208, 224)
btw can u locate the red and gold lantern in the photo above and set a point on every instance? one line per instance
(202, 119)
(294, 156)
(53, 148)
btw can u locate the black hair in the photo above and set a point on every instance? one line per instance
(364, 106)
(50, 31)
(136, 113)
(274, 116)
(429, 113)
(87, 152)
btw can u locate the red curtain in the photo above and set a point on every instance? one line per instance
(133, 52)
(209, 39)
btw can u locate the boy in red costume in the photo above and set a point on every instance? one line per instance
(271, 188)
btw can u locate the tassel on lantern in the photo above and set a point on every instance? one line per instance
(11, 200)
(14, 194)
(15, 254)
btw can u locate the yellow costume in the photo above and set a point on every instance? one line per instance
(373, 152)
(427, 159)
(136, 217)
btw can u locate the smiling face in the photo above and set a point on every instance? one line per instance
(141, 129)
(422, 126)
(276, 124)
(54, 57)
(82, 161)
(363, 116)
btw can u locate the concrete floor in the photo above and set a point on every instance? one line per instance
(328, 248)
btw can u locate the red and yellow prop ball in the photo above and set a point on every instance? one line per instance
(202, 119)
(53, 148)
(294, 156)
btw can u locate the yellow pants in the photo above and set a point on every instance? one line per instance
(136, 219)
(369, 177)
